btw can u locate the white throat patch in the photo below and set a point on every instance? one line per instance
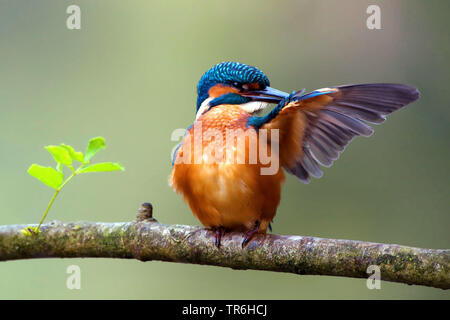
(203, 108)
(250, 107)
(254, 106)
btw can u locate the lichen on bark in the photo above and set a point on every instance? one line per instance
(146, 240)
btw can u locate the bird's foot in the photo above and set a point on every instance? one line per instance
(219, 234)
(249, 234)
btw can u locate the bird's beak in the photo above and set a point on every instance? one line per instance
(269, 95)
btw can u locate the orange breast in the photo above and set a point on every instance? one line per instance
(218, 171)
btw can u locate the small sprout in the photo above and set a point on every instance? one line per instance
(29, 231)
(64, 155)
(104, 166)
(95, 145)
(47, 175)
(75, 155)
(60, 154)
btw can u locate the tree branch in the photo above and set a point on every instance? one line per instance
(146, 239)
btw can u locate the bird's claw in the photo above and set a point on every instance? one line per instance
(249, 234)
(219, 234)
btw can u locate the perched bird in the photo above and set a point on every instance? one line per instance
(232, 183)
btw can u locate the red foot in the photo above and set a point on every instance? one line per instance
(219, 234)
(249, 235)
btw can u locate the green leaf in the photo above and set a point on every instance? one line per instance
(75, 155)
(103, 166)
(60, 154)
(59, 167)
(95, 145)
(47, 175)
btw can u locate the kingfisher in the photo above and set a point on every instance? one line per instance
(229, 165)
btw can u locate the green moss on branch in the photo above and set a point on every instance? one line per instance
(147, 240)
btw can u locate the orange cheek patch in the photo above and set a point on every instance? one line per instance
(220, 89)
(253, 86)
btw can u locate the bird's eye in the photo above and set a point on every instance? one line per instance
(237, 84)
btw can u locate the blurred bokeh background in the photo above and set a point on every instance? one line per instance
(130, 75)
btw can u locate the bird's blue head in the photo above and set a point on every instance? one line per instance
(234, 83)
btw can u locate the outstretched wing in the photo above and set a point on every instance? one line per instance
(315, 127)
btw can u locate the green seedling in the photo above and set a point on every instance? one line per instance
(65, 155)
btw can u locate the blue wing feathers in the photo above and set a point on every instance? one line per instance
(331, 129)
(313, 94)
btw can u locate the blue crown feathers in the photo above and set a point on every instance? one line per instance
(228, 73)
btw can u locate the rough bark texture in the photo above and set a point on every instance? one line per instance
(147, 239)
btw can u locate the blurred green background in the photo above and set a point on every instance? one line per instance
(130, 75)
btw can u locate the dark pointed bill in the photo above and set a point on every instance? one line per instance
(269, 94)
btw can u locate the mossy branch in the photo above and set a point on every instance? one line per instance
(146, 239)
